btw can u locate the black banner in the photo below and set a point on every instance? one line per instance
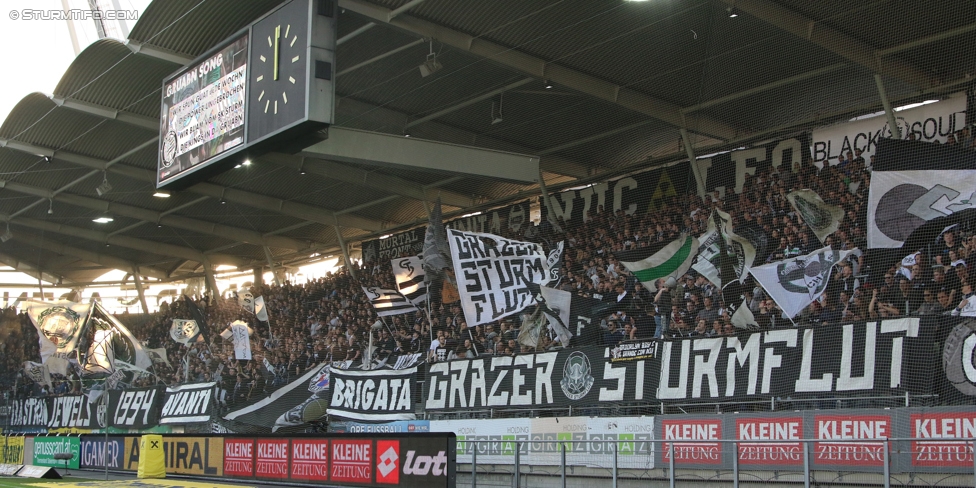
(409, 242)
(375, 395)
(74, 411)
(289, 408)
(576, 377)
(875, 357)
(499, 221)
(30, 412)
(650, 189)
(134, 409)
(188, 404)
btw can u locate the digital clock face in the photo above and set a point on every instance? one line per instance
(279, 74)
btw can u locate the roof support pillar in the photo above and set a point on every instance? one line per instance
(208, 269)
(139, 289)
(274, 273)
(892, 122)
(345, 253)
(690, 150)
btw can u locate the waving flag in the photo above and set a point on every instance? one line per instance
(823, 218)
(411, 279)
(388, 302)
(673, 260)
(796, 282)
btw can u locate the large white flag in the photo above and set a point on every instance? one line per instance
(410, 279)
(388, 302)
(59, 325)
(823, 218)
(491, 274)
(796, 282)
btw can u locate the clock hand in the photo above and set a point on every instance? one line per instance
(276, 49)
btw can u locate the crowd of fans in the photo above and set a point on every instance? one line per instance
(331, 320)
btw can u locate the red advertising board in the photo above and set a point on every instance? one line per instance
(239, 457)
(388, 462)
(272, 459)
(352, 460)
(837, 439)
(310, 459)
(936, 428)
(697, 433)
(769, 433)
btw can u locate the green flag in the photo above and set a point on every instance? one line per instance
(673, 260)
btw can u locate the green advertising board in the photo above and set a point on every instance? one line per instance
(46, 447)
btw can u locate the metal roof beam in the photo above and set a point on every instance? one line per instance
(376, 148)
(762, 88)
(352, 109)
(107, 112)
(958, 31)
(125, 241)
(369, 179)
(833, 40)
(469, 102)
(542, 69)
(28, 269)
(89, 256)
(255, 200)
(158, 53)
(203, 227)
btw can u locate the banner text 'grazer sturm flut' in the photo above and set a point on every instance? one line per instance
(491, 274)
(375, 395)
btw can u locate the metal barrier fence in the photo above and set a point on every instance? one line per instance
(616, 463)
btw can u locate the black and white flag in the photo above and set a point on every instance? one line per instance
(187, 403)
(388, 302)
(410, 279)
(375, 395)
(796, 282)
(739, 249)
(37, 372)
(184, 331)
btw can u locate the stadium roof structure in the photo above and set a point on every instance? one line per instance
(593, 87)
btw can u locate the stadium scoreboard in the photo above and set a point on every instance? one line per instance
(267, 87)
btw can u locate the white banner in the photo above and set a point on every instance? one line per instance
(796, 282)
(901, 201)
(585, 440)
(241, 335)
(932, 122)
(246, 299)
(491, 272)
